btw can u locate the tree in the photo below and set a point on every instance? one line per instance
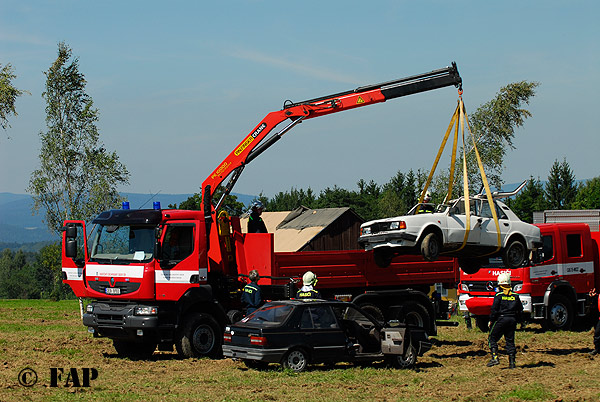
(77, 177)
(531, 199)
(588, 195)
(290, 200)
(561, 188)
(493, 125)
(8, 94)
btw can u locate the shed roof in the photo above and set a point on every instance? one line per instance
(292, 230)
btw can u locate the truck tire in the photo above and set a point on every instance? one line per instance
(414, 313)
(482, 322)
(470, 266)
(560, 314)
(295, 360)
(134, 350)
(200, 336)
(234, 316)
(383, 256)
(514, 254)
(407, 361)
(431, 247)
(373, 310)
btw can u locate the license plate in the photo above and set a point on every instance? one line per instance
(113, 291)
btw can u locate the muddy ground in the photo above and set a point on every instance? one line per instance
(47, 336)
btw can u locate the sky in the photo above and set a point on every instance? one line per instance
(180, 84)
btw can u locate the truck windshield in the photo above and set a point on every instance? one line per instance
(122, 243)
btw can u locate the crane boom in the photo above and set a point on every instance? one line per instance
(253, 145)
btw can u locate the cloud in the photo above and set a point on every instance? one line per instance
(282, 63)
(22, 39)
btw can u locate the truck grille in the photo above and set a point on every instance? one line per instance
(126, 287)
(486, 286)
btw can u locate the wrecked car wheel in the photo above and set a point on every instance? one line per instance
(383, 256)
(514, 255)
(296, 360)
(407, 361)
(470, 266)
(430, 247)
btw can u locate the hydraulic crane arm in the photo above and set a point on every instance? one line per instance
(251, 146)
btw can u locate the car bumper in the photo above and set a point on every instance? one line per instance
(390, 239)
(246, 353)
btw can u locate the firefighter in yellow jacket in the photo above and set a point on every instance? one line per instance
(308, 291)
(506, 312)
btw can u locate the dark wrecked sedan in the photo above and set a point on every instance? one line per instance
(296, 333)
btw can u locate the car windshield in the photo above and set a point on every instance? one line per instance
(270, 314)
(122, 244)
(427, 208)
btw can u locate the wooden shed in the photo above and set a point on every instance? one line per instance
(306, 229)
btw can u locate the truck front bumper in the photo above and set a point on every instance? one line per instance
(118, 320)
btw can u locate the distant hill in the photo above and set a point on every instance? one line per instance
(18, 225)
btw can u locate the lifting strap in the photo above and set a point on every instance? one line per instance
(459, 118)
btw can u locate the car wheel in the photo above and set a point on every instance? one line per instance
(255, 364)
(470, 266)
(430, 247)
(482, 322)
(383, 256)
(515, 254)
(134, 350)
(407, 361)
(560, 314)
(295, 360)
(200, 337)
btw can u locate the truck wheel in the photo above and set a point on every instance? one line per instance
(234, 316)
(514, 254)
(200, 336)
(134, 350)
(374, 311)
(296, 360)
(470, 266)
(560, 314)
(482, 321)
(430, 247)
(383, 256)
(413, 313)
(407, 361)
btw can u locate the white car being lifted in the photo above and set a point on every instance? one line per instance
(431, 230)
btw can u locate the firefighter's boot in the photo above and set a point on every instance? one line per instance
(494, 360)
(511, 361)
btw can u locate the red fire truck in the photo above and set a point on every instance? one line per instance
(554, 291)
(164, 277)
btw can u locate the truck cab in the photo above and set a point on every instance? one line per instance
(553, 291)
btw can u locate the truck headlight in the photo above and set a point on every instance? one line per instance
(464, 287)
(365, 231)
(518, 287)
(89, 308)
(145, 310)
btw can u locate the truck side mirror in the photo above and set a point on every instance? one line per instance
(71, 246)
(71, 231)
(158, 250)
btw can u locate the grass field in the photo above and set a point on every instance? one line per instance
(39, 334)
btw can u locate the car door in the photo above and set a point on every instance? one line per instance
(322, 333)
(487, 226)
(457, 223)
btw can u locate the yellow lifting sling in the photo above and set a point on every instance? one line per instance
(459, 117)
